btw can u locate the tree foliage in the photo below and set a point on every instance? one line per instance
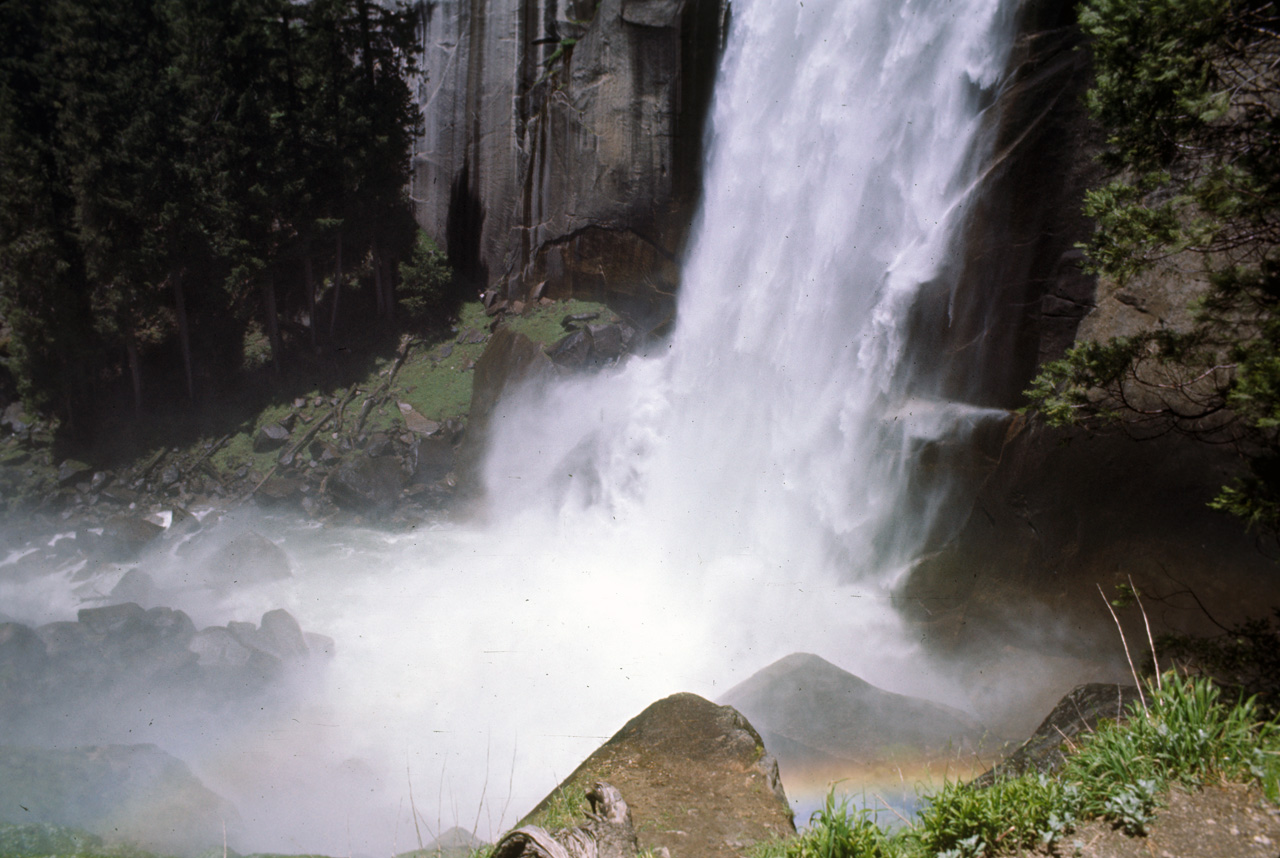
(1186, 91)
(173, 170)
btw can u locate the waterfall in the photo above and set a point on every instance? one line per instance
(745, 490)
(782, 418)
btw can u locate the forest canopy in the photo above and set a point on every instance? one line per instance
(177, 174)
(1187, 93)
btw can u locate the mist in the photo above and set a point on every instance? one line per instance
(743, 491)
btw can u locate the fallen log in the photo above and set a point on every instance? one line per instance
(607, 833)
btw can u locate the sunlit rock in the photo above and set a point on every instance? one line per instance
(696, 778)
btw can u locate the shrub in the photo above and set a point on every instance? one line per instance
(429, 291)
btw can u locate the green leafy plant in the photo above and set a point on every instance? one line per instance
(567, 807)
(1245, 658)
(1183, 93)
(428, 292)
(1010, 814)
(1187, 735)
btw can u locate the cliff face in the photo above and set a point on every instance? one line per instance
(1057, 513)
(562, 144)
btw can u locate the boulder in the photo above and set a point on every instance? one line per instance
(510, 362)
(1079, 711)
(324, 452)
(125, 639)
(592, 346)
(124, 537)
(270, 437)
(217, 647)
(571, 351)
(15, 419)
(280, 635)
(63, 639)
(122, 620)
(134, 586)
(279, 491)
(431, 460)
(379, 444)
(248, 558)
(610, 342)
(416, 423)
(817, 717)
(695, 776)
(363, 484)
(72, 471)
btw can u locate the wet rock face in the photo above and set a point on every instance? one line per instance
(1022, 291)
(588, 187)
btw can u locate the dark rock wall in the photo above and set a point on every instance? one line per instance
(562, 144)
(1021, 293)
(1058, 513)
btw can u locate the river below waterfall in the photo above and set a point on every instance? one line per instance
(747, 490)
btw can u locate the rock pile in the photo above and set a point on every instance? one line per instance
(118, 654)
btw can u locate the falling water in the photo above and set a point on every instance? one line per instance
(742, 492)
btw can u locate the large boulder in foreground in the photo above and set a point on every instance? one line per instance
(695, 776)
(817, 717)
(132, 793)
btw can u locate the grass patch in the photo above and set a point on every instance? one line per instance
(45, 840)
(435, 380)
(566, 807)
(1187, 736)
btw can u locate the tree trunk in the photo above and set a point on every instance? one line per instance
(184, 333)
(337, 286)
(273, 323)
(377, 283)
(135, 373)
(309, 275)
(382, 285)
(388, 283)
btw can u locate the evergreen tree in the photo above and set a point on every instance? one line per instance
(170, 169)
(1186, 91)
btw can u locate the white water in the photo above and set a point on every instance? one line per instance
(677, 524)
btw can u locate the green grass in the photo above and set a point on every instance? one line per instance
(435, 380)
(567, 807)
(1188, 736)
(45, 840)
